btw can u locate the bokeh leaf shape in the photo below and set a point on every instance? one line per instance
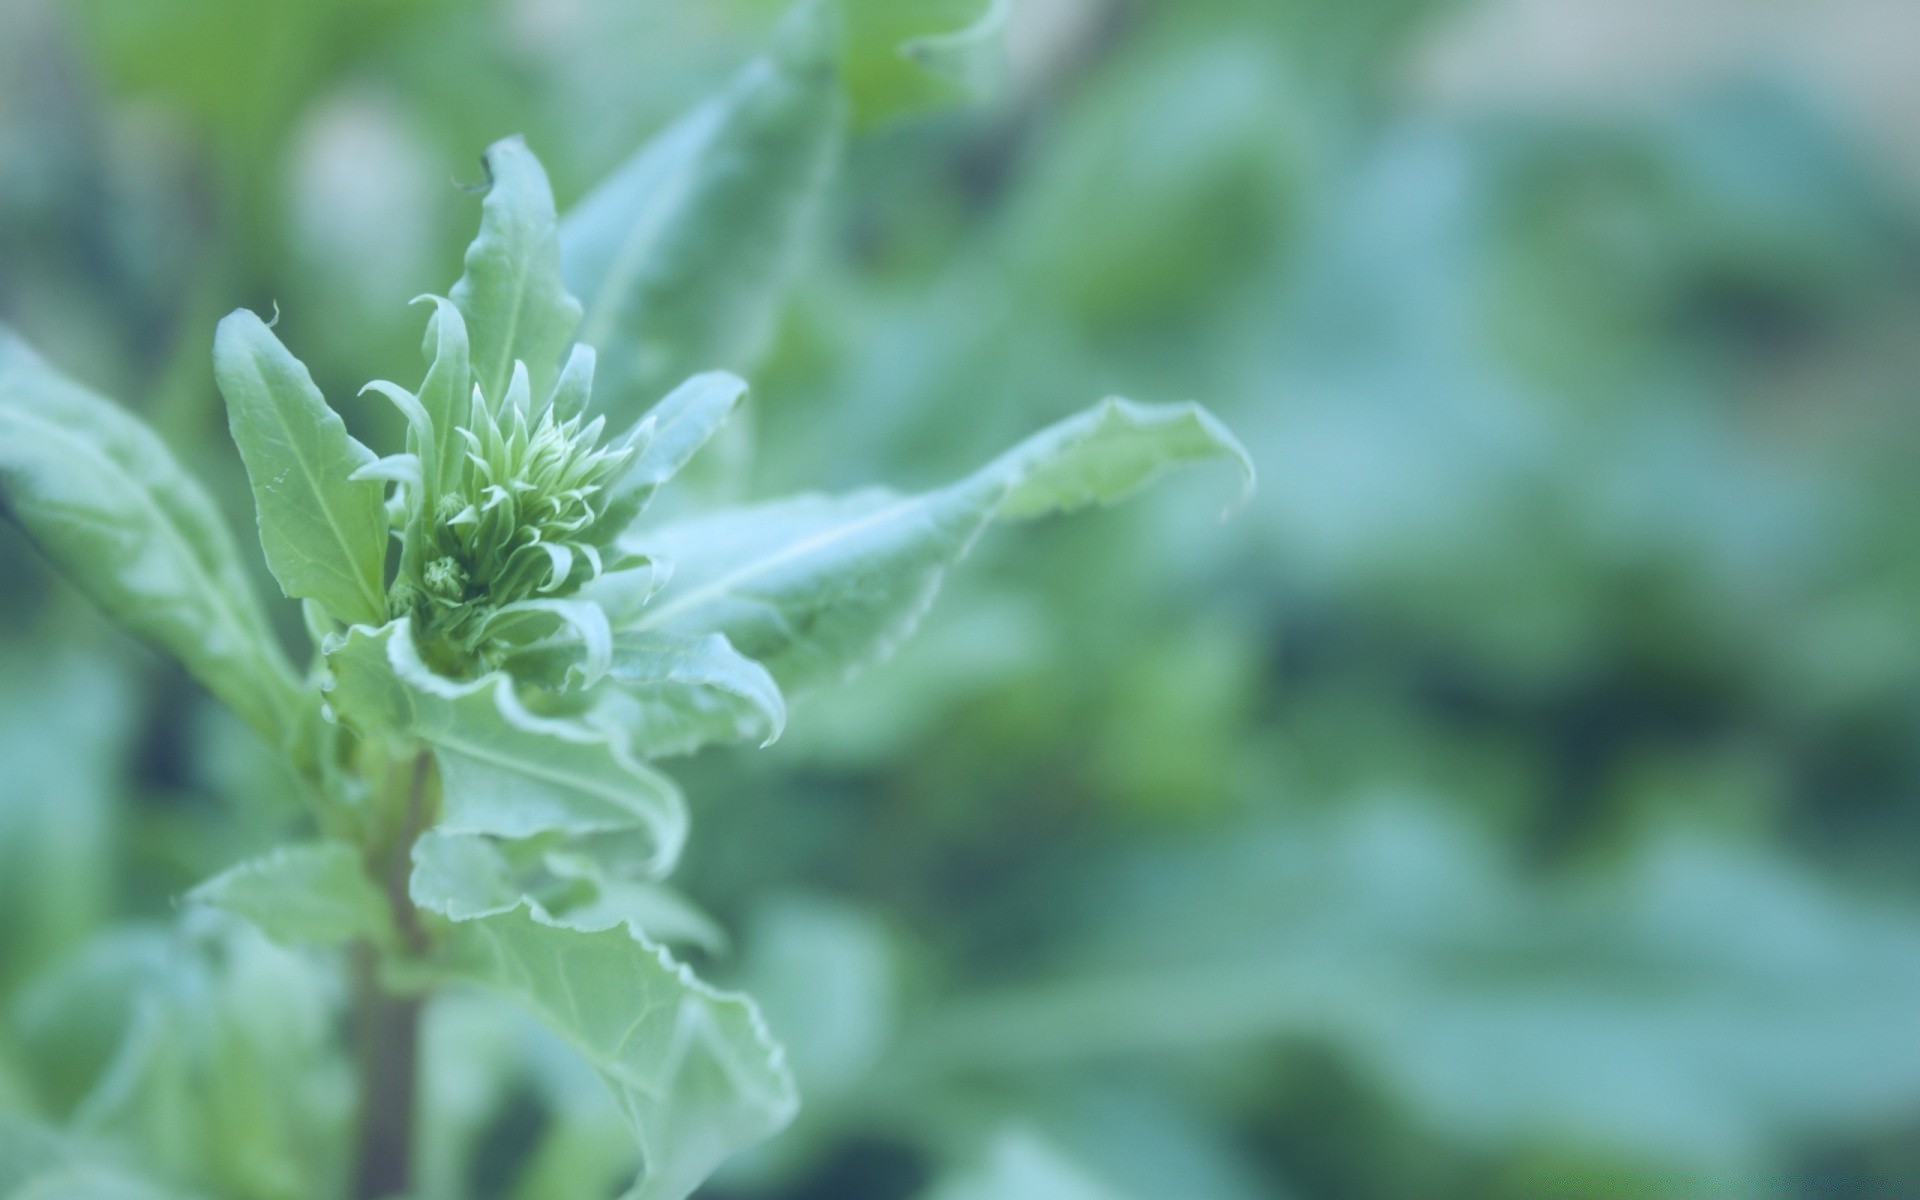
(693, 1068)
(39, 1162)
(683, 254)
(323, 531)
(817, 587)
(674, 693)
(1020, 1165)
(317, 893)
(973, 58)
(504, 770)
(216, 1055)
(103, 497)
(515, 305)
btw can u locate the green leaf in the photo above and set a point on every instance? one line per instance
(676, 693)
(683, 254)
(463, 877)
(104, 498)
(324, 533)
(313, 893)
(669, 435)
(515, 305)
(448, 388)
(817, 587)
(504, 771)
(693, 1068)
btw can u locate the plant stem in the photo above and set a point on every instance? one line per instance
(386, 1026)
(387, 1047)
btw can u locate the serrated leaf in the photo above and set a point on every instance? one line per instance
(504, 771)
(817, 587)
(104, 498)
(317, 893)
(465, 876)
(515, 305)
(674, 693)
(683, 254)
(669, 435)
(693, 1068)
(324, 532)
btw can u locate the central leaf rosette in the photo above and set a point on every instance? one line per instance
(525, 517)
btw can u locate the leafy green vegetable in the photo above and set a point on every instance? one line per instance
(323, 527)
(103, 497)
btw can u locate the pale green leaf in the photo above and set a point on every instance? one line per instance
(316, 893)
(669, 435)
(683, 254)
(676, 693)
(1103, 454)
(693, 1068)
(817, 587)
(324, 533)
(466, 876)
(104, 498)
(504, 771)
(515, 305)
(974, 58)
(445, 393)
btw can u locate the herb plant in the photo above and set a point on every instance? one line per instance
(504, 639)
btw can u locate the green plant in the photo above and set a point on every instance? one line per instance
(503, 640)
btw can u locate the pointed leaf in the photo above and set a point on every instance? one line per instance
(324, 533)
(817, 587)
(515, 306)
(316, 893)
(669, 435)
(104, 498)
(683, 254)
(1105, 453)
(504, 771)
(445, 394)
(693, 1068)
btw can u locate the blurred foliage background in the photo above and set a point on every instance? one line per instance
(1518, 799)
